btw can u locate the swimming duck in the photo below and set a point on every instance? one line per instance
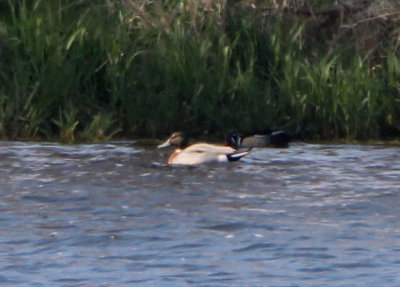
(278, 139)
(199, 153)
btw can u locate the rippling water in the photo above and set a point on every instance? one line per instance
(115, 215)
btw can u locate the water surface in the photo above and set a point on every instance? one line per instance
(114, 214)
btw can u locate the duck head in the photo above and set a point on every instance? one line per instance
(177, 139)
(234, 140)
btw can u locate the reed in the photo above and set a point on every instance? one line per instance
(92, 70)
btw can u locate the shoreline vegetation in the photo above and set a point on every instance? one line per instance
(101, 69)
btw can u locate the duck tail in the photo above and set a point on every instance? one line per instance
(280, 139)
(236, 155)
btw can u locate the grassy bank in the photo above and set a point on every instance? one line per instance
(100, 69)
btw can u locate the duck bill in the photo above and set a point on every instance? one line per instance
(165, 144)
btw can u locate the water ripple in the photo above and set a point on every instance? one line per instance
(114, 214)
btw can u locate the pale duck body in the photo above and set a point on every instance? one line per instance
(200, 153)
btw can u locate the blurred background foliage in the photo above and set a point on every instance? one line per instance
(100, 69)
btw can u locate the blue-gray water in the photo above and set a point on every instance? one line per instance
(115, 215)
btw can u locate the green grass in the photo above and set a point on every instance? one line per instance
(94, 70)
